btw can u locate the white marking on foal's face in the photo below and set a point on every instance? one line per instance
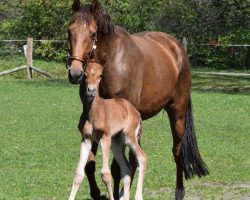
(92, 71)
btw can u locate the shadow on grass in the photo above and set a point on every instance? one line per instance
(46, 82)
(201, 82)
(221, 83)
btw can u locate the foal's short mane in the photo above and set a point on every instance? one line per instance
(87, 13)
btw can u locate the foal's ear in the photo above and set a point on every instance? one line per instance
(96, 6)
(76, 5)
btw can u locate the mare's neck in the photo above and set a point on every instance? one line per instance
(104, 48)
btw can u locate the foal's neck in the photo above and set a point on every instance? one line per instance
(95, 103)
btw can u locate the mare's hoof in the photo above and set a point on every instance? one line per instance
(103, 197)
(179, 194)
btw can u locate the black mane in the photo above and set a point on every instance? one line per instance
(103, 19)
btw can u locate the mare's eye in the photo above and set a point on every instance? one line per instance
(92, 35)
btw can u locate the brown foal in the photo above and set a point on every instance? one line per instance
(111, 123)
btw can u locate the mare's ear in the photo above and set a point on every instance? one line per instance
(96, 6)
(76, 5)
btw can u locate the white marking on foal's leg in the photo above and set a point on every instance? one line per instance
(106, 174)
(79, 175)
(142, 160)
(137, 130)
(179, 194)
(121, 195)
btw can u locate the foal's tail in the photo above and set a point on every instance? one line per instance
(192, 161)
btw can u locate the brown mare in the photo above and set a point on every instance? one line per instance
(110, 122)
(149, 69)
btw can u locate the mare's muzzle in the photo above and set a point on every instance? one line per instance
(75, 76)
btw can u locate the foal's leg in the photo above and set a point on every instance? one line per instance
(90, 166)
(132, 141)
(118, 150)
(132, 164)
(84, 154)
(106, 174)
(133, 161)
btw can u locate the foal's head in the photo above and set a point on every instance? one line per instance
(93, 75)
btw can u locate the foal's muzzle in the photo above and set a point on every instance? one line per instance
(91, 93)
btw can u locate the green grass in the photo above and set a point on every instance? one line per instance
(40, 143)
(57, 69)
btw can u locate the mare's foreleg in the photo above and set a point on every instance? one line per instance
(90, 169)
(84, 154)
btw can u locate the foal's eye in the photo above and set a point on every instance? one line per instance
(100, 77)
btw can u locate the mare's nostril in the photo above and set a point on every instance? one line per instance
(75, 76)
(75, 73)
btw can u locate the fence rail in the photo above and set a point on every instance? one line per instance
(30, 68)
(28, 50)
(225, 45)
(57, 41)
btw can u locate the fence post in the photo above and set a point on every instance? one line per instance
(184, 43)
(29, 57)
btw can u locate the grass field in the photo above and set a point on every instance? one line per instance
(40, 142)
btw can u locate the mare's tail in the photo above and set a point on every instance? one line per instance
(192, 161)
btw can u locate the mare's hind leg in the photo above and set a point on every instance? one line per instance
(176, 112)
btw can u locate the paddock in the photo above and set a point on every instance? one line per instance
(40, 141)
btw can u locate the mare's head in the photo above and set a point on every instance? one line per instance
(89, 23)
(93, 76)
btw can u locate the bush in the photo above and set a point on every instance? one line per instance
(50, 51)
(222, 54)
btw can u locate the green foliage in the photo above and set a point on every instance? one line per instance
(51, 51)
(202, 22)
(222, 54)
(40, 19)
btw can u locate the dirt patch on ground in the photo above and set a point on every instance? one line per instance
(205, 191)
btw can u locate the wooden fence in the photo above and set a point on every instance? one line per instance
(30, 68)
(28, 51)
